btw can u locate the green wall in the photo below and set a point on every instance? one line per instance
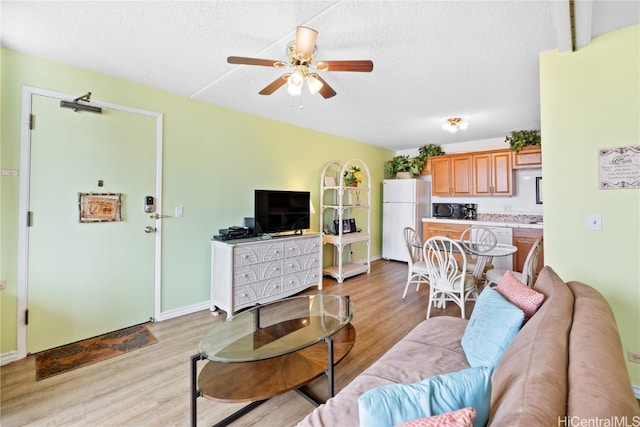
(590, 99)
(213, 160)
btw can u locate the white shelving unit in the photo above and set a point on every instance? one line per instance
(345, 204)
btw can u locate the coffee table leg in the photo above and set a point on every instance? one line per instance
(195, 393)
(329, 342)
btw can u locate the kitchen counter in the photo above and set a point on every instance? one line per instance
(505, 222)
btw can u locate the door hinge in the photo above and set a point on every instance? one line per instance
(26, 317)
(32, 121)
(29, 218)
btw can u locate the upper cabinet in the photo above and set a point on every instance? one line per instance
(452, 175)
(528, 157)
(485, 173)
(492, 174)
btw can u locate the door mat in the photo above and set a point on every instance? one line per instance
(82, 353)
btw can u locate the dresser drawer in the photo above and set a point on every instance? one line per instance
(253, 254)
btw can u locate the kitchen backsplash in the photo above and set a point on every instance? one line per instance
(518, 218)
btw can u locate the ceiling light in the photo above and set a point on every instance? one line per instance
(295, 82)
(454, 124)
(314, 84)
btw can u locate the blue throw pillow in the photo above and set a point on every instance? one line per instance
(492, 326)
(391, 405)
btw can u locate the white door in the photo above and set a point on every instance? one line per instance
(85, 279)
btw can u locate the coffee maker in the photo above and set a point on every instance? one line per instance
(470, 211)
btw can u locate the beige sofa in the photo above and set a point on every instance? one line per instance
(564, 367)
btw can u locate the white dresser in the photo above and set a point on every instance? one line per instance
(249, 271)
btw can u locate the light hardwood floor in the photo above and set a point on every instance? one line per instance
(150, 386)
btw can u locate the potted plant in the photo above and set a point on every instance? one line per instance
(426, 151)
(404, 166)
(352, 176)
(430, 150)
(523, 138)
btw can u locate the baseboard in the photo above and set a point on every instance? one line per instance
(170, 314)
(636, 390)
(8, 357)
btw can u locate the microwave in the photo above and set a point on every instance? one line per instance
(448, 210)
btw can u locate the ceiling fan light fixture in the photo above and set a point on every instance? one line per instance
(305, 43)
(454, 124)
(314, 84)
(295, 82)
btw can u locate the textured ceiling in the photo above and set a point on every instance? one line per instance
(432, 59)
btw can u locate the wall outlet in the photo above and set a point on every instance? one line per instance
(633, 357)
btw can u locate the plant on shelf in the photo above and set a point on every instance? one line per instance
(353, 176)
(404, 165)
(430, 150)
(523, 138)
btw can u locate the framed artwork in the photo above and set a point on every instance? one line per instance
(538, 190)
(99, 207)
(619, 167)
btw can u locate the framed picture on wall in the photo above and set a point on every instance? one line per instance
(539, 190)
(99, 207)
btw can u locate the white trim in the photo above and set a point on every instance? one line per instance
(23, 207)
(8, 357)
(181, 311)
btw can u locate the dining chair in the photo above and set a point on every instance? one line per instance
(417, 268)
(527, 276)
(477, 239)
(448, 277)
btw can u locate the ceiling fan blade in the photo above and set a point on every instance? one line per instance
(363, 66)
(255, 61)
(274, 85)
(326, 91)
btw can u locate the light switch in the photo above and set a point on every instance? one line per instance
(179, 212)
(595, 222)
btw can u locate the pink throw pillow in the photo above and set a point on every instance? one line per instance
(520, 295)
(460, 418)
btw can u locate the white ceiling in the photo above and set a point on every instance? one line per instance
(432, 59)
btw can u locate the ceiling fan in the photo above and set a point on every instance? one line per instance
(300, 53)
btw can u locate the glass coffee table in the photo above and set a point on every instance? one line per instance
(271, 349)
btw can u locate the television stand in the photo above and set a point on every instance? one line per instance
(256, 270)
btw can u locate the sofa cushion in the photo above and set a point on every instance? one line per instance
(599, 384)
(529, 385)
(519, 294)
(491, 328)
(460, 418)
(397, 403)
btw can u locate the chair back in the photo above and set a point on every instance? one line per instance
(531, 262)
(413, 243)
(445, 271)
(478, 239)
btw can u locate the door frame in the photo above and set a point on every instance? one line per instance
(25, 175)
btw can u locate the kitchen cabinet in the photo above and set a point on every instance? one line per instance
(452, 175)
(523, 239)
(492, 174)
(528, 157)
(452, 231)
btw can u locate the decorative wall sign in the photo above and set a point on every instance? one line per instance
(619, 167)
(99, 207)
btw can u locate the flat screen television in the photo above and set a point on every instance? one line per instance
(278, 211)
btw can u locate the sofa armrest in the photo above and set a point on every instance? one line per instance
(599, 384)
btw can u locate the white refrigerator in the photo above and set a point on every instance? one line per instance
(404, 203)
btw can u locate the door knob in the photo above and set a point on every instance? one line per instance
(149, 229)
